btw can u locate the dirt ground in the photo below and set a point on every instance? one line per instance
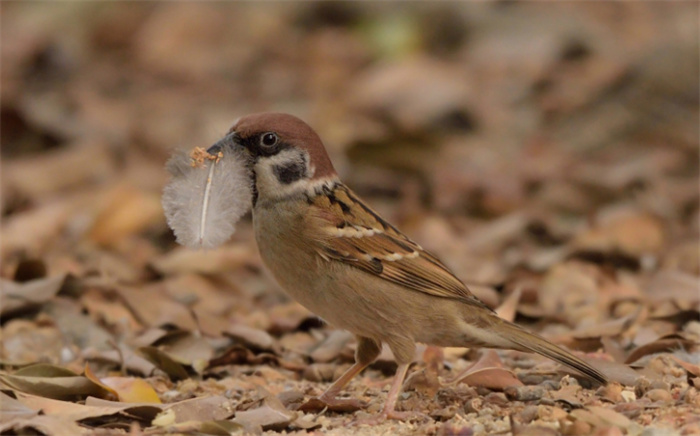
(547, 152)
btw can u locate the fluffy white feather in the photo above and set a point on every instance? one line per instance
(207, 195)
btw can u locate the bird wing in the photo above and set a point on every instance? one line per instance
(345, 229)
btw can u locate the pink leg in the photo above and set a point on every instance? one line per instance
(367, 351)
(390, 405)
(391, 399)
(342, 381)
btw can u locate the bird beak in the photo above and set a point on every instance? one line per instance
(231, 140)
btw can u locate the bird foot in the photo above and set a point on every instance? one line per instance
(343, 405)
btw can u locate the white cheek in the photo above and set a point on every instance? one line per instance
(267, 183)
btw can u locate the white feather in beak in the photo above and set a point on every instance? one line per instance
(209, 192)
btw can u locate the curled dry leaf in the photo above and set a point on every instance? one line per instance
(187, 348)
(508, 308)
(693, 369)
(487, 372)
(164, 362)
(665, 343)
(125, 389)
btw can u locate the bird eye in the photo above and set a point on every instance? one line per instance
(268, 139)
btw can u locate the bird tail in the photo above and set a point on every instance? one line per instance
(522, 340)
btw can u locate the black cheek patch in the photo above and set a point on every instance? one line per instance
(290, 172)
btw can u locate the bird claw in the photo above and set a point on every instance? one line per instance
(343, 405)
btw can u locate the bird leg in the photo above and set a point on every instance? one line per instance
(390, 404)
(367, 350)
(389, 411)
(338, 404)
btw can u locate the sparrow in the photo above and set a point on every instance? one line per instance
(337, 257)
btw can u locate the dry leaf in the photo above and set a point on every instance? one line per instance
(18, 297)
(93, 408)
(51, 381)
(255, 339)
(213, 408)
(509, 306)
(666, 343)
(487, 372)
(271, 415)
(131, 390)
(164, 362)
(128, 211)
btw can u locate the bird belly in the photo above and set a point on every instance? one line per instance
(349, 298)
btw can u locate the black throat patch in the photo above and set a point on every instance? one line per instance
(290, 172)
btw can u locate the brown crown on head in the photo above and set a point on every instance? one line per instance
(292, 131)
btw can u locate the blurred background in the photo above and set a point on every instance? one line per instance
(551, 147)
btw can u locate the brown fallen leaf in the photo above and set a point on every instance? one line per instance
(271, 415)
(187, 349)
(131, 390)
(568, 394)
(125, 389)
(214, 428)
(255, 339)
(212, 408)
(487, 372)
(45, 425)
(674, 285)
(331, 347)
(127, 211)
(27, 342)
(692, 369)
(602, 417)
(164, 362)
(288, 317)
(184, 260)
(614, 371)
(60, 169)
(19, 297)
(93, 408)
(12, 408)
(665, 343)
(107, 306)
(160, 310)
(634, 233)
(51, 381)
(241, 355)
(509, 306)
(125, 358)
(144, 411)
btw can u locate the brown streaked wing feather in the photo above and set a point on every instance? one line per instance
(356, 235)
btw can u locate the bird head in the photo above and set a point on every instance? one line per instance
(285, 154)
